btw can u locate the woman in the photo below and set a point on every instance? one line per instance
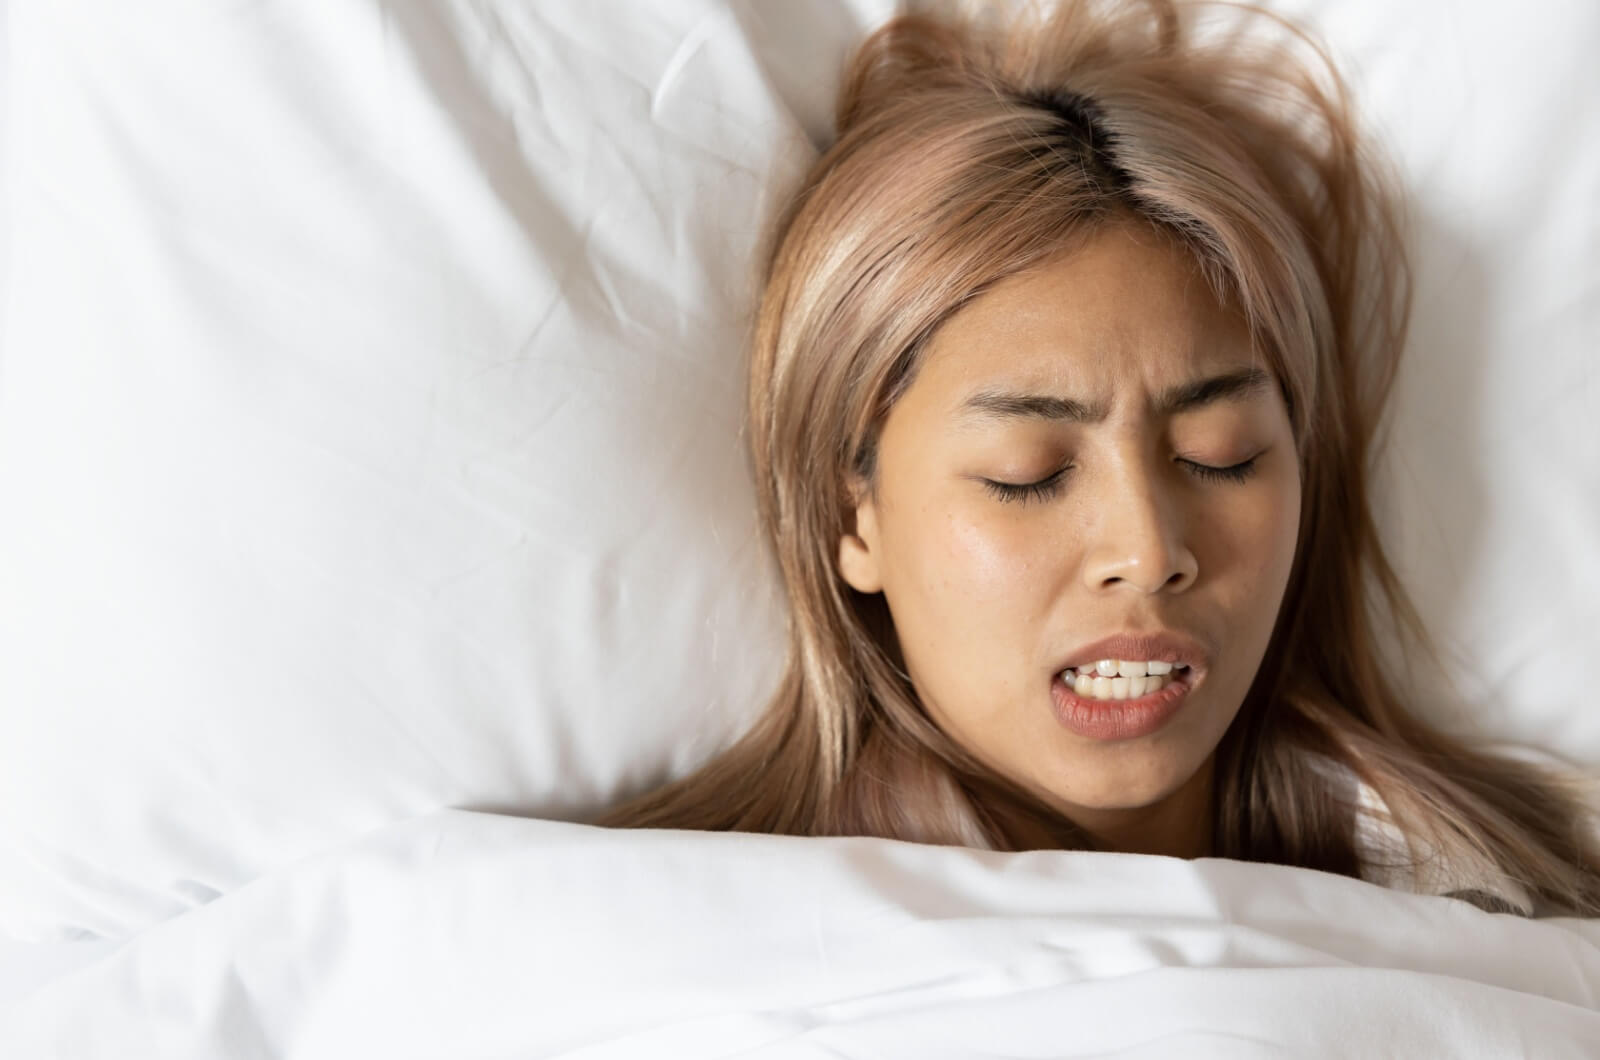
(1063, 392)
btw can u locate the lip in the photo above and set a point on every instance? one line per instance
(1120, 719)
(1163, 645)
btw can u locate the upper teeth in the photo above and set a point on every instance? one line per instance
(1130, 668)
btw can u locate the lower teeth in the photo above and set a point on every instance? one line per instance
(1119, 687)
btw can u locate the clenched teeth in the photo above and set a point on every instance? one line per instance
(1122, 678)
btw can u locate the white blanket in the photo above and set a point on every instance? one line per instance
(466, 935)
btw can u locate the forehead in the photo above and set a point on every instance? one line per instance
(1126, 310)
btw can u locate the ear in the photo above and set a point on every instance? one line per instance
(859, 548)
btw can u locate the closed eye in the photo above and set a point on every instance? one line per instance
(1042, 490)
(1236, 473)
(1045, 488)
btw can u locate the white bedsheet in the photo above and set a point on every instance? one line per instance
(27, 966)
(466, 935)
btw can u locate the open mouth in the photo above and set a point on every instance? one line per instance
(1118, 711)
(1120, 679)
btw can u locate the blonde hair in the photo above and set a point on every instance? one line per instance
(968, 150)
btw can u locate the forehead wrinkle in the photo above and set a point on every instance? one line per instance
(992, 403)
(997, 403)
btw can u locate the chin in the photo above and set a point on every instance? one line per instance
(1132, 779)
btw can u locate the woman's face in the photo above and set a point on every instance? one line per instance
(992, 591)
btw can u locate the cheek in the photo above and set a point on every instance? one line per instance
(1258, 539)
(967, 594)
(985, 561)
(1281, 524)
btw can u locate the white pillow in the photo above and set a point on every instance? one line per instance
(371, 388)
(369, 424)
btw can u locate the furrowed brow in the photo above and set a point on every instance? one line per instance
(994, 404)
(1229, 386)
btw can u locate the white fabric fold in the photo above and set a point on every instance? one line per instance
(469, 935)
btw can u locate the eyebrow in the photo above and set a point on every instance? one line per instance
(992, 403)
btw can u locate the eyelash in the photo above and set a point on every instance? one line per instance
(1046, 488)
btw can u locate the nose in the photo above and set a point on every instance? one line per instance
(1141, 539)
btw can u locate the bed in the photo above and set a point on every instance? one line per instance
(374, 509)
